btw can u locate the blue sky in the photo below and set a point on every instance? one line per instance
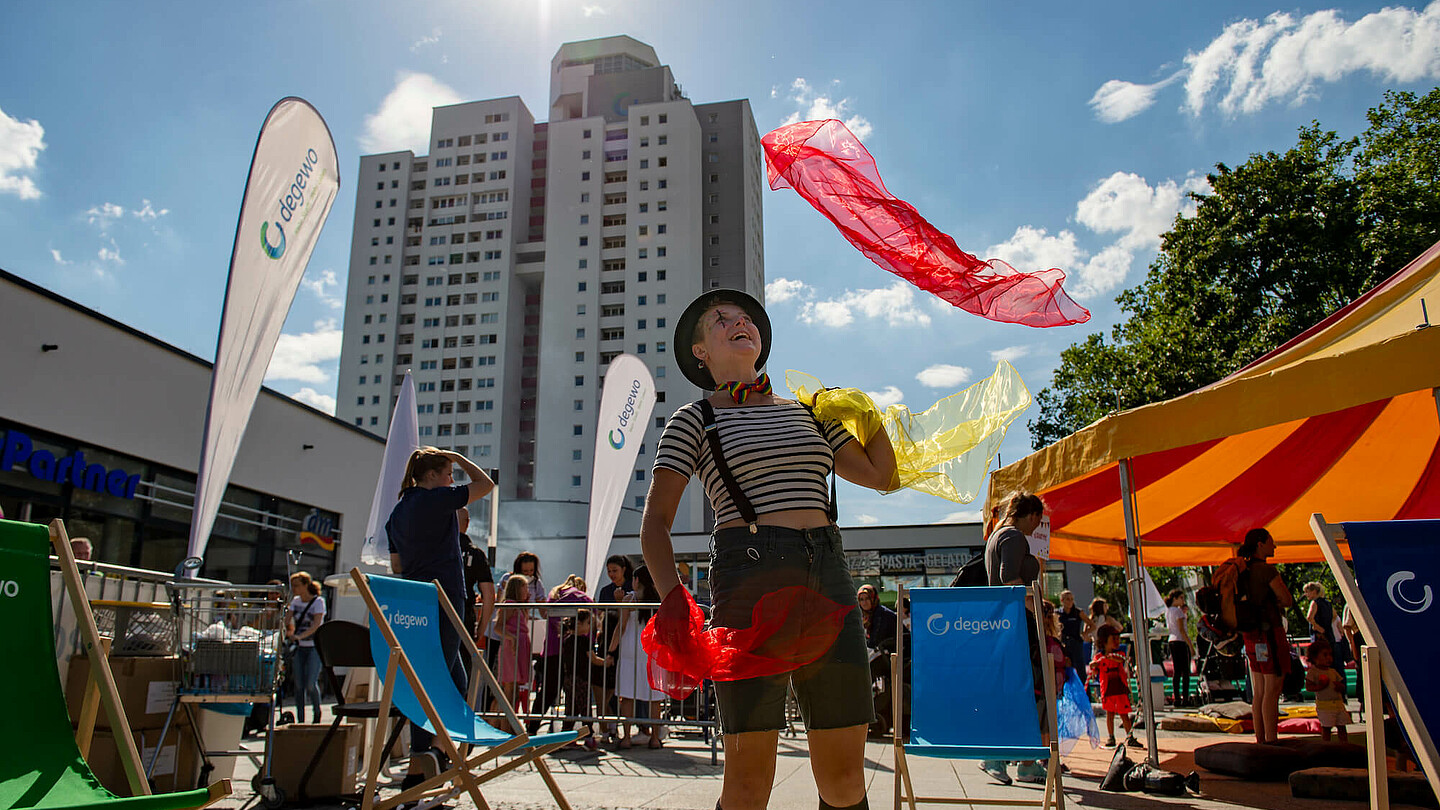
(1045, 134)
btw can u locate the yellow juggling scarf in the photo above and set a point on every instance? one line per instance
(946, 450)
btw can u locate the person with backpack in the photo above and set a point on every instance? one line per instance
(1253, 596)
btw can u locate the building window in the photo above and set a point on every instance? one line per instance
(579, 357)
(584, 176)
(660, 347)
(580, 286)
(585, 155)
(579, 430)
(640, 324)
(662, 118)
(575, 455)
(579, 380)
(579, 404)
(574, 480)
(659, 371)
(585, 134)
(580, 335)
(639, 475)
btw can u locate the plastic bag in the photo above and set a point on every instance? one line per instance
(1074, 714)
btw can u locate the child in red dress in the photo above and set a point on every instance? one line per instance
(1111, 670)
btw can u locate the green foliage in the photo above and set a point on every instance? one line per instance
(1280, 242)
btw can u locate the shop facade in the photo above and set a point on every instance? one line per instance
(101, 425)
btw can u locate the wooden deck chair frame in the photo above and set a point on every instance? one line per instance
(1377, 664)
(103, 679)
(905, 789)
(461, 774)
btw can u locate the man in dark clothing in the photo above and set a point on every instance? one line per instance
(479, 581)
(424, 534)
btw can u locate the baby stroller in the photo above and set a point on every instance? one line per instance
(1221, 663)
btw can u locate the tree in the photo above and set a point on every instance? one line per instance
(1280, 242)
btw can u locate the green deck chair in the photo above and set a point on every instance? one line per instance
(40, 765)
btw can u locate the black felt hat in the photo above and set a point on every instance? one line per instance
(685, 332)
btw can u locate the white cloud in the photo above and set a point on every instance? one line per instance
(964, 516)
(1123, 204)
(58, 258)
(943, 375)
(111, 254)
(322, 285)
(866, 520)
(1282, 58)
(813, 105)
(20, 145)
(433, 39)
(315, 399)
(1009, 354)
(884, 399)
(104, 214)
(593, 11)
(1118, 100)
(894, 304)
(147, 211)
(783, 289)
(300, 357)
(403, 120)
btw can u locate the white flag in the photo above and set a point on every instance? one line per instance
(625, 406)
(294, 177)
(402, 440)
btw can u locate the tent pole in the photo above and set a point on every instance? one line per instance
(1139, 622)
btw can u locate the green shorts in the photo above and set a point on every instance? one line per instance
(833, 691)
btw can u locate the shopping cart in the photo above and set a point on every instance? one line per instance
(229, 641)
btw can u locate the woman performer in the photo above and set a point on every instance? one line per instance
(774, 528)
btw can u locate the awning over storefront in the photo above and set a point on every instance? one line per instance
(1344, 420)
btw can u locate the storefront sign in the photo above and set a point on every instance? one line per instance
(16, 448)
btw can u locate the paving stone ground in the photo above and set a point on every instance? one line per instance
(680, 776)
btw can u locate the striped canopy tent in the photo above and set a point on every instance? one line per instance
(1344, 420)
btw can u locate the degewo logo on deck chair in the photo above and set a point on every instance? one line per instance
(1403, 602)
(938, 625)
(406, 620)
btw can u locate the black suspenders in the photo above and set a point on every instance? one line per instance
(742, 504)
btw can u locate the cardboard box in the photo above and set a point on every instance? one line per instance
(338, 773)
(146, 685)
(177, 767)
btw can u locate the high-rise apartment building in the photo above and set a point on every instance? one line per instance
(511, 264)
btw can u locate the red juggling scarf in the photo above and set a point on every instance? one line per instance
(828, 166)
(789, 628)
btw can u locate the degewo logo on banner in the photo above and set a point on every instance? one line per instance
(623, 422)
(1400, 600)
(293, 201)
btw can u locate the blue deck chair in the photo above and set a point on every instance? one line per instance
(976, 637)
(405, 621)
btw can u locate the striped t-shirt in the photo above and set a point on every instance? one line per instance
(778, 454)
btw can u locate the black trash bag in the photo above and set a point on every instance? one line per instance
(1149, 779)
(1120, 765)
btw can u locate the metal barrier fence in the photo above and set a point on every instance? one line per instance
(567, 680)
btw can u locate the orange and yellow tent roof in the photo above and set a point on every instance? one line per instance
(1343, 420)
